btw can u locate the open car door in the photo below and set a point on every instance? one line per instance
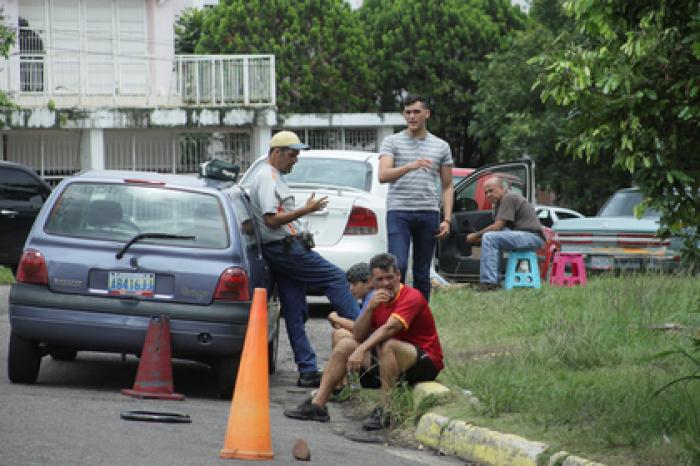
(458, 260)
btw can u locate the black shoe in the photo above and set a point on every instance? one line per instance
(376, 420)
(488, 287)
(307, 411)
(309, 379)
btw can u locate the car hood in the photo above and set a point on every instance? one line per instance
(607, 224)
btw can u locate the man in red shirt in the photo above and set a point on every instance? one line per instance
(396, 332)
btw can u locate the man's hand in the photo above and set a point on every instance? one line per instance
(444, 230)
(333, 319)
(420, 163)
(473, 238)
(313, 204)
(354, 363)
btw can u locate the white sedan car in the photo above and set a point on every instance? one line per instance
(549, 215)
(352, 228)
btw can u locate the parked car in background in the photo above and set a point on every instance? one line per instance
(617, 240)
(352, 227)
(459, 173)
(22, 193)
(111, 249)
(549, 215)
(458, 260)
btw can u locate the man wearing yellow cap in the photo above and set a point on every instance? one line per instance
(294, 264)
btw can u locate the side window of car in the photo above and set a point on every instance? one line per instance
(16, 185)
(545, 217)
(565, 215)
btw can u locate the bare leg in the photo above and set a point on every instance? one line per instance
(335, 370)
(394, 357)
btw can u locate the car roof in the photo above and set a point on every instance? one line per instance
(335, 154)
(171, 179)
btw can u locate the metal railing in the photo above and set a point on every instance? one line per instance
(194, 80)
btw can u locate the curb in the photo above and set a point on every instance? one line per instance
(477, 444)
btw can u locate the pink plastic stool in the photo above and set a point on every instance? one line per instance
(558, 275)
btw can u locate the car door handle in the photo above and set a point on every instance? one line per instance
(8, 212)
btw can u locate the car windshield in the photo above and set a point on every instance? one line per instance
(121, 211)
(622, 204)
(345, 173)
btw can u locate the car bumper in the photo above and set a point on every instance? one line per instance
(353, 249)
(615, 260)
(119, 326)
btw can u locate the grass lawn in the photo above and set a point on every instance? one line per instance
(6, 277)
(575, 367)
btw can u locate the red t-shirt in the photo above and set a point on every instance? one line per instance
(411, 309)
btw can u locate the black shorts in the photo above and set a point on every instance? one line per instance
(422, 371)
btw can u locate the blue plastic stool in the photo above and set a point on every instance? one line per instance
(519, 276)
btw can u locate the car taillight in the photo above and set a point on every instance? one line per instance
(233, 285)
(32, 268)
(362, 221)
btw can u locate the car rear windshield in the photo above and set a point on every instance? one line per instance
(622, 204)
(121, 211)
(355, 174)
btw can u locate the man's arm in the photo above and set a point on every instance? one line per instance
(495, 226)
(278, 219)
(447, 200)
(390, 328)
(389, 173)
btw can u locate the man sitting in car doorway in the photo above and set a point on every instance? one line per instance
(399, 327)
(516, 228)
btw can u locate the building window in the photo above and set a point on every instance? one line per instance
(362, 139)
(31, 57)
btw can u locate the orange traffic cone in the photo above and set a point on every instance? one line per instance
(154, 378)
(248, 430)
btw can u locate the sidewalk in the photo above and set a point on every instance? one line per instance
(476, 444)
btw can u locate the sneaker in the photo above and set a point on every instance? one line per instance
(376, 420)
(488, 287)
(307, 411)
(341, 394)
(309, 379)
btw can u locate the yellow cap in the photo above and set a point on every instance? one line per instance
(287, 139)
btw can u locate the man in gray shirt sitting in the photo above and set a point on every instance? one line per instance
(516, 227)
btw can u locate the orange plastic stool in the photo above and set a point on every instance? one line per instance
(559, 277)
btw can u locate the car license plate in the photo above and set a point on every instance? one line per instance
(131, 284)
(601, 262)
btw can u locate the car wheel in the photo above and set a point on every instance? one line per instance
(23, 360)
(63, 354)
(227, 370)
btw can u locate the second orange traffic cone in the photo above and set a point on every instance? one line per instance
(248, 429)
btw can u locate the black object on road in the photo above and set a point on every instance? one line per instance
(154, 416)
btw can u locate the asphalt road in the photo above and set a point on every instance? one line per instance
(71, 416)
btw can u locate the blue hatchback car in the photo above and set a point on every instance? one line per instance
(111, 249)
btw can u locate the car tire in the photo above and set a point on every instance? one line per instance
(23, 360)
(63, 354)
(227, 370)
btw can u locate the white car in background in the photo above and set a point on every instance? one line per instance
(549, 215)
(352, 228)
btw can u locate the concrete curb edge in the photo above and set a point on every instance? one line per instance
(472, 443)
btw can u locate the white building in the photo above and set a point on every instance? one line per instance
(98, 85)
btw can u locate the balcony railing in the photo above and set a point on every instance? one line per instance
(188, 80)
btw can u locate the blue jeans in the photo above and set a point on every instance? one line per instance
(493, 242)
(294, 268)
(419, 226)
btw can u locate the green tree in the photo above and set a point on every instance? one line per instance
(432, 49)
(510, 119)
(188, 30)
(7, 40)
(631, 78)
(319, 46)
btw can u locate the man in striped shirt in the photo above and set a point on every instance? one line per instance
(412, 161)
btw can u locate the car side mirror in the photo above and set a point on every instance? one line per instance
(466, 204)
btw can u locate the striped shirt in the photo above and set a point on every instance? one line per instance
(417, 189)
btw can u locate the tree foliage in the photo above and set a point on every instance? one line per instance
(631, 78)
(510, 119)
(7, 40)
(432, 49)
(188, 30)
(319, 46)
